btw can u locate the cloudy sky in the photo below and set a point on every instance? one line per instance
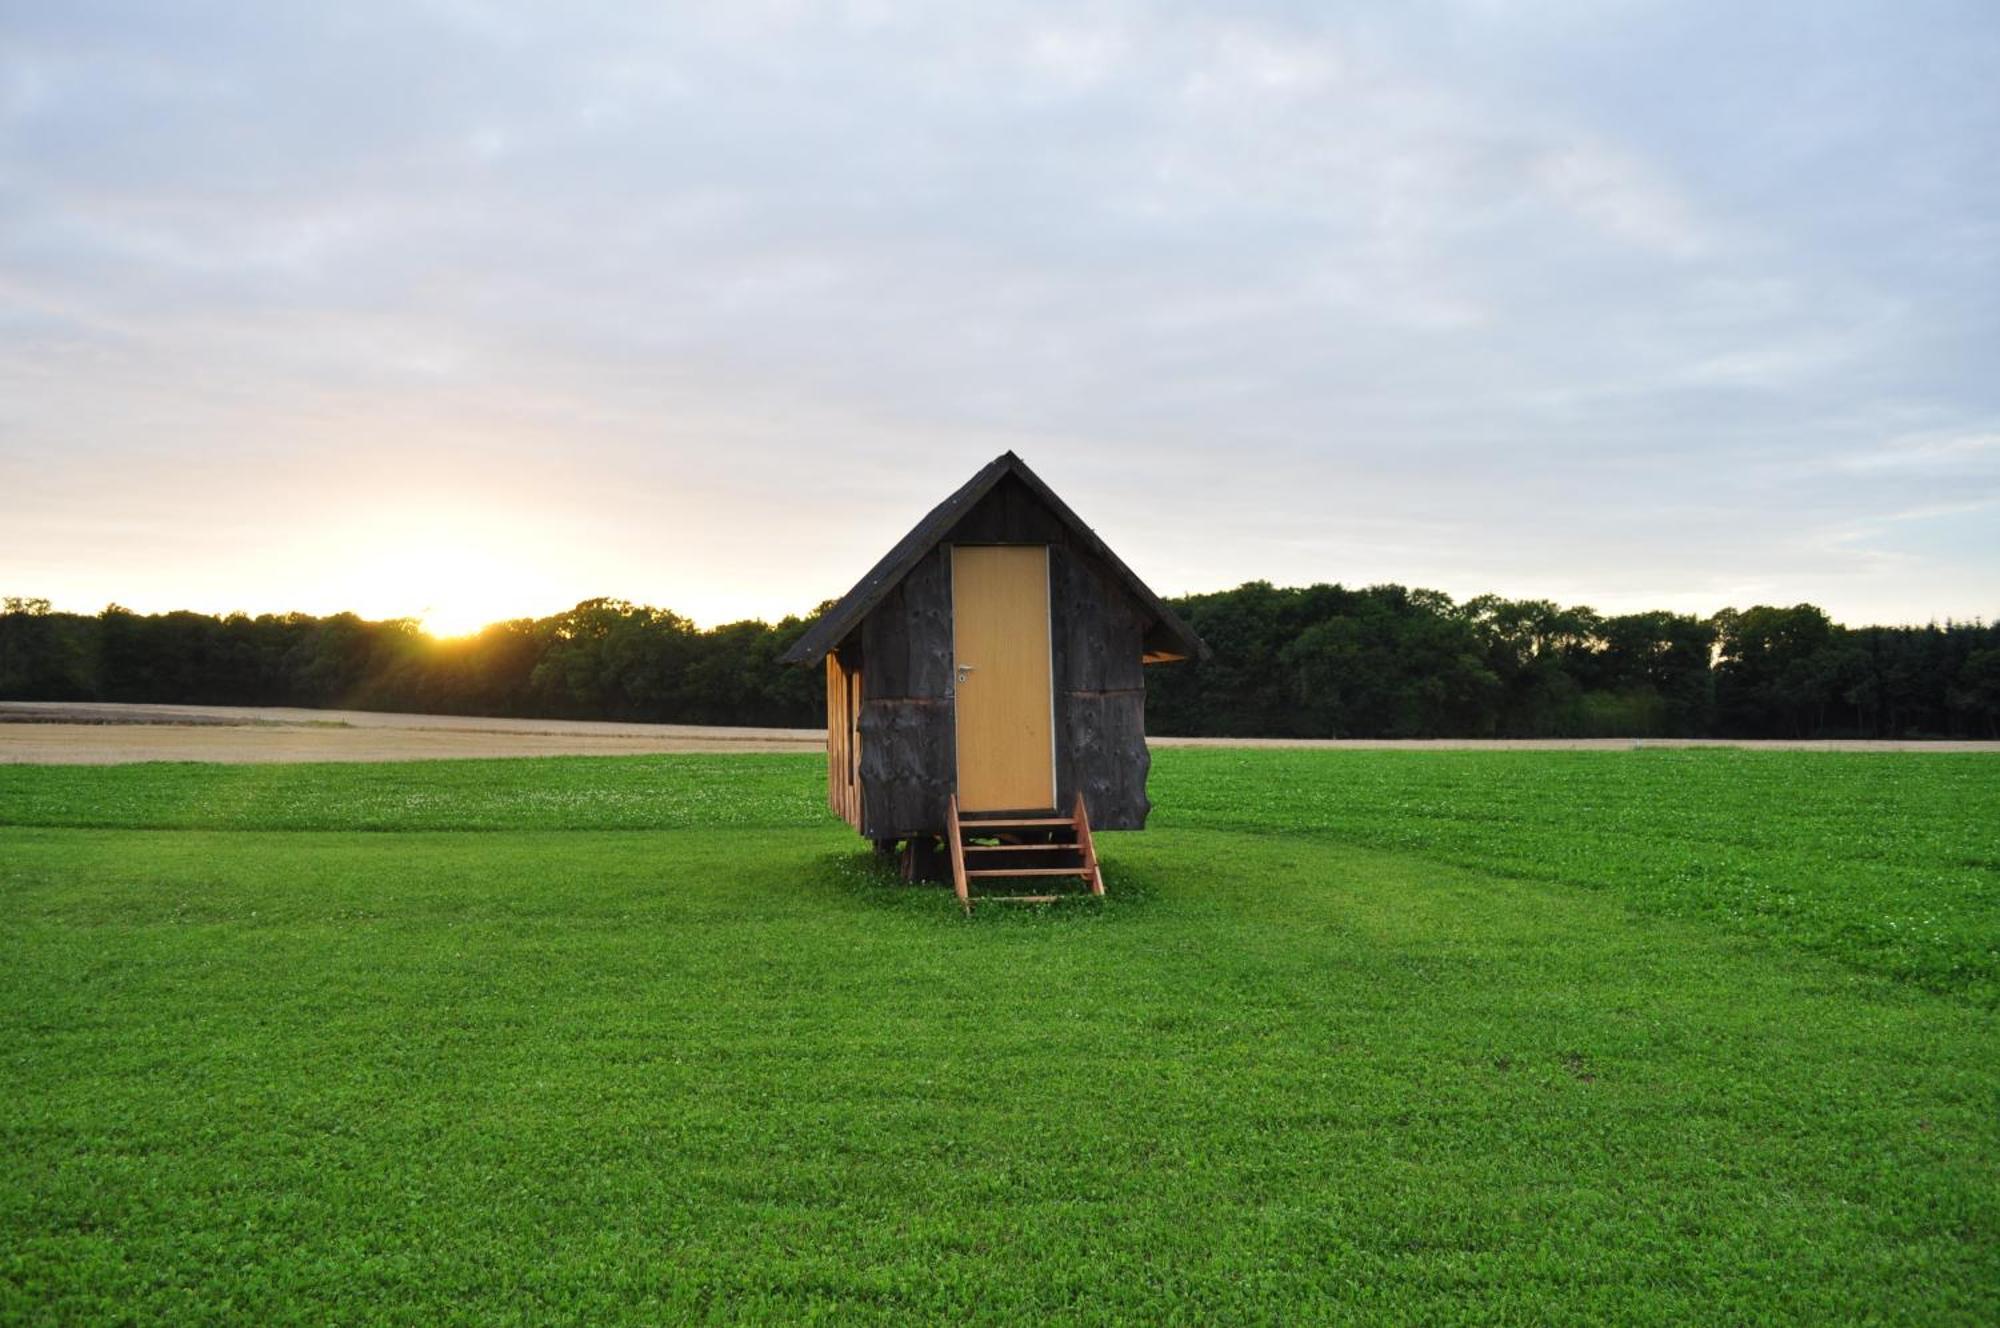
(473, 310)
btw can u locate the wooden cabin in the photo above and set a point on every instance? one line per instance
(985, 688)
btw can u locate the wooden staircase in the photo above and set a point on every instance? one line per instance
(1009, 845)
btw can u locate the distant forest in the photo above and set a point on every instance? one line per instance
(1315, 661)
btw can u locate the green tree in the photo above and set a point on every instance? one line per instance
(1975, 691)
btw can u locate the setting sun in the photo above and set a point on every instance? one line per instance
(455, 584)
(450, 620)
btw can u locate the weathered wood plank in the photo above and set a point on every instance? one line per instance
(927, 608)
(852, 748)
(843, 699)
(906, 766)
(1009, 514)
(836, 730)
(885, 644)
(1109, 760)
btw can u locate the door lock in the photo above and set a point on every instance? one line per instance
(964, 672)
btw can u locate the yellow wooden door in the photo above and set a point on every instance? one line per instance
(1004, 697)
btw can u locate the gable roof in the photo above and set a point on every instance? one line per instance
(846, 615)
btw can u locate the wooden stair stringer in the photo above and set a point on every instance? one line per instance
(957, 844)
(1084, 842)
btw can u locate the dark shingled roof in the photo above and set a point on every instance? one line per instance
(896, 564)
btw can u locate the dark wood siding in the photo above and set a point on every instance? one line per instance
(1101, 694)
(908, 760)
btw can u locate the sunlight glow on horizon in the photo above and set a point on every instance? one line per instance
(454, 564)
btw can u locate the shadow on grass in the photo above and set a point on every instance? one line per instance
(872, 881)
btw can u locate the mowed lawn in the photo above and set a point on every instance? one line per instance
(1366, 1036)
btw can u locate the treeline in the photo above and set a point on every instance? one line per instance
(1326, 661)
(1314, 661)
(603, 659)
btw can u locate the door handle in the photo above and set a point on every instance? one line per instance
(964, 672)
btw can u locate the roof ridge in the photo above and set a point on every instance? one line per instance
(889, 571)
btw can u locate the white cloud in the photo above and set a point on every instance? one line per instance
(1610, 190)
(1947, 452)
(1493, 273)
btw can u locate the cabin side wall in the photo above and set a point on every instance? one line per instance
(908, 757)
(843, 739)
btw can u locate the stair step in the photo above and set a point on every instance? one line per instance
(1022, 848)
(962, 828)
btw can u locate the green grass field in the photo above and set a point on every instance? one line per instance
(1439, 1037)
